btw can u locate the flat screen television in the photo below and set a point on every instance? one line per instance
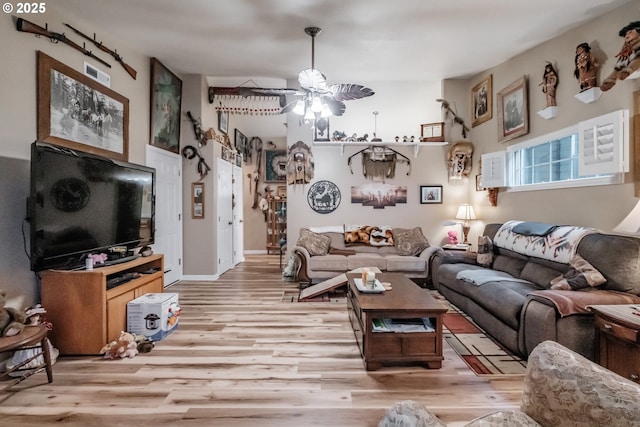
(81, 203)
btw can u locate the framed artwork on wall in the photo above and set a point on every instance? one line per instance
(77, 112)
(430, 194)
(166, 101)
(197, 200)
(513, 110)
(321, 129)
(223, 121)
(275, 165)
(482, 101)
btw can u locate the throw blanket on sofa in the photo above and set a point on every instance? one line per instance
(577, 302)
(559, 244)
(481, 276)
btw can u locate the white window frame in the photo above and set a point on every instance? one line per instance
(609, 179)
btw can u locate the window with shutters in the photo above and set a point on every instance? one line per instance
(594, 152)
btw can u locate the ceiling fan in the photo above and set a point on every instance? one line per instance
(315, 97)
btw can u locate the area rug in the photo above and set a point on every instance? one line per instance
(480, 352)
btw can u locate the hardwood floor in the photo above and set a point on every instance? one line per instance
(242, 357)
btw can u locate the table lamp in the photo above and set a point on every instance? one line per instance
(466, 214)
(631, 223)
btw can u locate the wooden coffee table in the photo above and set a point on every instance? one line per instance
(405, 300)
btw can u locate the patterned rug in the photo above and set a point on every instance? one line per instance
(480, 352)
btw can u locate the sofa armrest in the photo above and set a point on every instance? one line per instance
(563, 388)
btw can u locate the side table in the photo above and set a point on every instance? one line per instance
(33, 337)
(618, 339)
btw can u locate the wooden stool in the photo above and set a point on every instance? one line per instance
(31, 338)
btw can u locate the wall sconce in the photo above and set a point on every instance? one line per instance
(466, 214)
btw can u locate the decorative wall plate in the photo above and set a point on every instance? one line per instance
(323, 197)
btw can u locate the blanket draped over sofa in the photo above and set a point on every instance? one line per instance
(525, 305)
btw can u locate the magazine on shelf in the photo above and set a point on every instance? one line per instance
(403, 325)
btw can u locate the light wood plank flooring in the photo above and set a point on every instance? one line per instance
(241, 357)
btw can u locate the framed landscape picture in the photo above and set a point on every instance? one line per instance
(77, 112)
(482, 101)
(166, 101)
(513, 110)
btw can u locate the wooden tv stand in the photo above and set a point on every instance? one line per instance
(85, 314)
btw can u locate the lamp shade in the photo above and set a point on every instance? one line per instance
(631, 223)
(465, 212)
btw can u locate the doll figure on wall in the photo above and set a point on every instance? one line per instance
(586, 70)
(628, 59)
(549, 84)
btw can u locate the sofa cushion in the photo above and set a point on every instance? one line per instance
(374, 235)
(509, 264)
(581, 274)
(539, 274)
(410, 241)
(366, 260)
(314, 243)
(405, 263)
(328, 263)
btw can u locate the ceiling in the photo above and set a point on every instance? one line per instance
(361, 40)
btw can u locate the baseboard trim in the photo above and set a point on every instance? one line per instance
(194, 278)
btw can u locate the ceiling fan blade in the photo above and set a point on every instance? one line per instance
(289, 104)
(348, 91)
(337, 107)
(312, 79)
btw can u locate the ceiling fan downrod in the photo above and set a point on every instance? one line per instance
(313, 32)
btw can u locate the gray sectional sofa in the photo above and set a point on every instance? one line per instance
(410, 254)
(511, 297)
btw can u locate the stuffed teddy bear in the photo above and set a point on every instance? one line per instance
(124, 346)
(11, 320)
(453, 237)
(628, 59)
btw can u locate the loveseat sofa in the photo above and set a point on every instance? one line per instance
(561, 388)
(325, 252)
(511, 295)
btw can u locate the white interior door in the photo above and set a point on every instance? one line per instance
(238, 218)
(168, 221)
(224, 202)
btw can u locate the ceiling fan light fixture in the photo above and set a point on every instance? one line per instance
(326, 111)
(299, 108)
(316, 104)
(309, 115)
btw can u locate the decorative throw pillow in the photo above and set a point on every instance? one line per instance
(314, 243)
(357, 233)
(485, 251)
(580, 275)
(410, 241)
(381, 236)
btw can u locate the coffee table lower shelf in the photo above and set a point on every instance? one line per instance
(383, 348)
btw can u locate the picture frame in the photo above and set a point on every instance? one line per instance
(321, 131)
(239, 140)
(223, 121)
(166, 104)
(482, 101)
(96, 122)
(275, 165)
(197, 200)
(282, 191)
(430, 194)
(432, 132)
(513, 110)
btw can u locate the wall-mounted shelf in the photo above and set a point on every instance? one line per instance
(415, 145)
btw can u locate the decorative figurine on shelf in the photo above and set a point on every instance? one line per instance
(628, 59)
(549, 84)
(586, 70)
(460, 159)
